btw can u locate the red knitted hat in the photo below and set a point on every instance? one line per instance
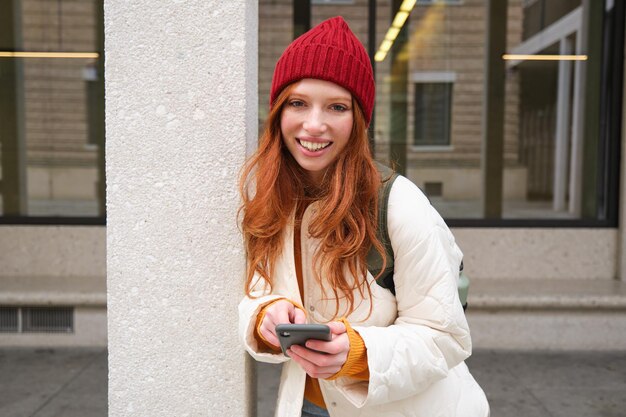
(330, 52)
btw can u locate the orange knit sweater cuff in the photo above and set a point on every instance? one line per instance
(356, 363)
(263, 343)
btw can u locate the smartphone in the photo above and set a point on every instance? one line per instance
(298, 334)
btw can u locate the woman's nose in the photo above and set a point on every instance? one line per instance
(314, 122)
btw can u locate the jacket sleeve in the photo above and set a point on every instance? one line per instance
(249, 308)
(430, 335)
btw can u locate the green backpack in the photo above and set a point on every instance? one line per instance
(375, 261)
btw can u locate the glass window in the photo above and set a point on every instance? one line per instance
(518, 128)
(432, 113)
(52, 107)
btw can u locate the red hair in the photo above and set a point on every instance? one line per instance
(271, 185)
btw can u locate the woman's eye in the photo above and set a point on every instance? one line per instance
(339, 107)
(296, 103)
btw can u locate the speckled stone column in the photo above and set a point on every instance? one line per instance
(181, 110)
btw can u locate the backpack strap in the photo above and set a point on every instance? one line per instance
(374, 259)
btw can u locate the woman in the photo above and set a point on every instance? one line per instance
(310, 201)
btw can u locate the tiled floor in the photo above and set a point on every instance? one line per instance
(528, 384)
(73, 383)
(53, 382)
(553, 384)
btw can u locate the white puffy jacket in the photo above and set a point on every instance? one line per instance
(416, 341)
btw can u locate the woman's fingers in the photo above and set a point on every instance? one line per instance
(303, 357)
(321, 359)
(281, 311)
(337, 327)
(299, 317)
(269, 333)
(339, 344)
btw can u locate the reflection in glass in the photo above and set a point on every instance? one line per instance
(52, 133)
(444, 54)
(551, 155)
(430, 119)
(433, 106)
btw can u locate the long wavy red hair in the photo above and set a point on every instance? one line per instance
(271, 185)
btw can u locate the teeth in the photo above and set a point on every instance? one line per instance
(313, 146)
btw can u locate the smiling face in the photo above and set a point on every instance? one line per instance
(316, 124)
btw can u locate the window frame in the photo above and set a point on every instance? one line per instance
(433, 77)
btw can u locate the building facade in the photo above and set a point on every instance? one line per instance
(522, 156)
(533, 191)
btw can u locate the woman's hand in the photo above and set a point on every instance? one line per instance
(322, 359)
(280, 312)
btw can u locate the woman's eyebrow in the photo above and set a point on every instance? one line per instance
(335, 98)
(339, 98)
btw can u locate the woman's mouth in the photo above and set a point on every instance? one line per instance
(313, 146)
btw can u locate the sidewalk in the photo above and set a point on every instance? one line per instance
(53, 382)
(529, 384)
(73, 383)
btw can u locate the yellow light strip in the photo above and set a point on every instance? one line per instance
(407, 5)
(5, 54)
(399, 20)
(385, 46)
(392, 33)
(380, 55)
(511, 57)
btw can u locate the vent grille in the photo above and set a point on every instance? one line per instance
(36, 319)
(9, 319)
(433, 189)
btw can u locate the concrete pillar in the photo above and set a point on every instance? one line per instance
(181, 111)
